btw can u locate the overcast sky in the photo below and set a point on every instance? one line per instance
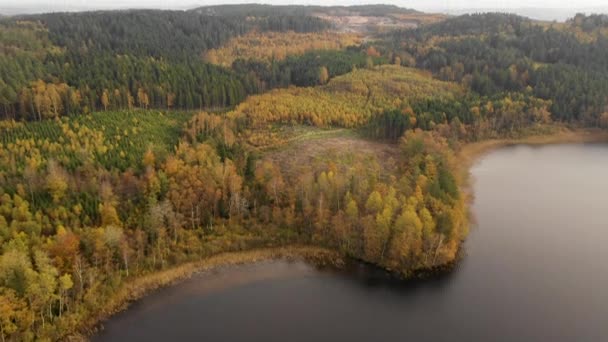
(418, 4)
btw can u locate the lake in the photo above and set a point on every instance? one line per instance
(535, 269)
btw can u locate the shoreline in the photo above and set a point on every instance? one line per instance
(139, 287)
(467, 155)
(470, 153)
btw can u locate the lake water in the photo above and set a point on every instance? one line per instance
(536, 269)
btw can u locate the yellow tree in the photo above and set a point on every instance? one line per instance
(109, 215)
(65, 284)
(142, 98)
(171, 100)
(269, 176)
(105, 99)
(130, 99)
(54, 100)
(56, 181)
(42, 286)
(323, 75)
(39, 99)
(149, 158)
(406, 246)
(14, 315)
(374, 202)
(383, 226)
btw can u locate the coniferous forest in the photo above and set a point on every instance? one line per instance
(135, 141)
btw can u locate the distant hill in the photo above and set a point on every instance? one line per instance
(366, 19)
(16, 9)
(545, 14)
(224, 10)
(261, 10)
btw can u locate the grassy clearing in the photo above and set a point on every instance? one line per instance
(315, 134)
(290, 135)
(341, 147)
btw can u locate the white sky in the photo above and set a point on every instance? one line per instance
(417, 4)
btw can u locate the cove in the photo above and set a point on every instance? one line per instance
(535, 270)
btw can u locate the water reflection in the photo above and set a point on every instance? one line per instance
(369, 277)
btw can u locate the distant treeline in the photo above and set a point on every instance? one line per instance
(493, 53)
(167, 34)
(257, 10)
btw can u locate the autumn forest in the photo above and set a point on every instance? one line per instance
(135, 141)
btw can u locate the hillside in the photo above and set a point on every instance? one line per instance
(351, 100)
(65, 63)
(132, 142)
(498, 53)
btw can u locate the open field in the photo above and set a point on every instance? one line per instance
(340, 147)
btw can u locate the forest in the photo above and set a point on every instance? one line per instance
(62, 64)
(135, 141)
(276, 46)
(565, 63)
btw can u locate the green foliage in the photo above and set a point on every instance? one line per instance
(109, 139)
(171, 34)
(493, 53)
(303, 70)
(59, 63)
(90, 201)
(350, 100)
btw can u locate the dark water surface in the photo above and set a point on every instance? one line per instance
(536, 269)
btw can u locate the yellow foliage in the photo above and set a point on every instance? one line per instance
(278, 45)
(347, 101)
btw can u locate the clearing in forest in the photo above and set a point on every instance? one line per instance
(339, 148)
